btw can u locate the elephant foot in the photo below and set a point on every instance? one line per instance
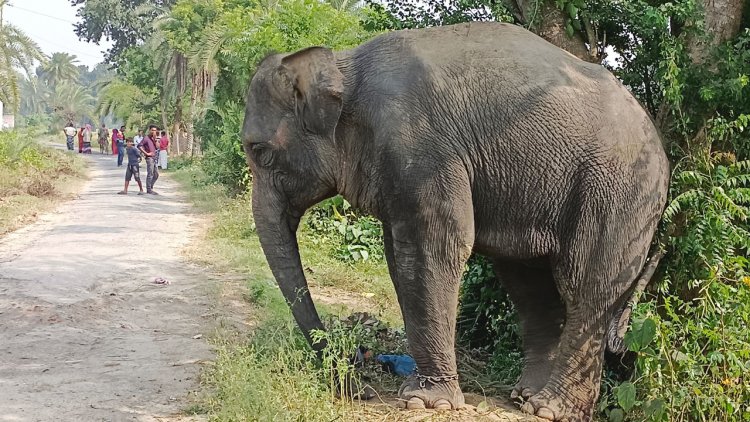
(531, 382)
(444, 395)
(557, 408)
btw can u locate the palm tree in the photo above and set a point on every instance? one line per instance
(17, 50)
(124, 101)
(72, 102)
(61, 67)
(34, 96)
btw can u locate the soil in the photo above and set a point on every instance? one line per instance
(85, 333)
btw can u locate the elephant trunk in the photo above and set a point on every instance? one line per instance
(277, 231)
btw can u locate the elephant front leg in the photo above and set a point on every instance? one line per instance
(428, 264)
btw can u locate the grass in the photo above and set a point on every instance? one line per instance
(264, 370)
(34, 178)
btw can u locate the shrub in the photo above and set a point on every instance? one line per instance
(351, 236)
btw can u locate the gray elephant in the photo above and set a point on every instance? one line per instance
(475, 137)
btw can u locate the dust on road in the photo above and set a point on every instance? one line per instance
(85, 334)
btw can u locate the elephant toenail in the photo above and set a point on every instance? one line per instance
(514, 394)
(442, 404)
(415, 403)
(527, 393)
(527, 408)
(545, 413)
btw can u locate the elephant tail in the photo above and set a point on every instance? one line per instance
(619, 324)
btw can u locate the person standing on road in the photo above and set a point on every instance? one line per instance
(148, 148)
(103, 135)
(163, 146)
(87, 139)
(133, 170)
(80, 140)
(70, 133)
(120, 146)
(138, 138)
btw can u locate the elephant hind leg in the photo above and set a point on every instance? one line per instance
(592, 297)
(542, 315)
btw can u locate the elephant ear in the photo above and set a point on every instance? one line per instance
(318, 88)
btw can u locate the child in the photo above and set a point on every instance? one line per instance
(134, 157)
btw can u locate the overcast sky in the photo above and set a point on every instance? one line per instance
(50, 24)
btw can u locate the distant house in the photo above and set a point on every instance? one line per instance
(9, 120)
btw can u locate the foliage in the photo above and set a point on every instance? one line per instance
(115, 20)
(17, 51)
(223, 158)
(351, 236)
(487, 320)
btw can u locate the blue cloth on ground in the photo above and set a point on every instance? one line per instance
(403, 365)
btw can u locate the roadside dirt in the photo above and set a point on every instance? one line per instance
(85, 333)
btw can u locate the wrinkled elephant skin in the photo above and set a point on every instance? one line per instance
(475, 137)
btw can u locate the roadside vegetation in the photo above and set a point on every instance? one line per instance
(687, 61)
(33, 178)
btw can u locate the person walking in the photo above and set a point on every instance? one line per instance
(87, 139)
(133, 170)
(80, 140)
(70, 133)
(163, 147)
(103, 135)
(149, 149)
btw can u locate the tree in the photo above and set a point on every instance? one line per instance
(115, 20)
(61, 67)
(17, 51)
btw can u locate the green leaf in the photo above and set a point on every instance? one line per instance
(626, 395)
(616, 415)
(569, 29)
(572, 10)
(654, 409)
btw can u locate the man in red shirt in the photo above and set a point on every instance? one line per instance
(163, 146)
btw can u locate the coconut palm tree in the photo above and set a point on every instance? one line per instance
(72, 102)
(34, 96)
(61, 67)
(17, 51)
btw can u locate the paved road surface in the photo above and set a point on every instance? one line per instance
(85, 334)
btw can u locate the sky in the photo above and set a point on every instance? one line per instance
(50, 24)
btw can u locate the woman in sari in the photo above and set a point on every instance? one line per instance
(115, 137)
(80, 140)
(87, 139)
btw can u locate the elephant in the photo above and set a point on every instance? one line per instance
(478, 137)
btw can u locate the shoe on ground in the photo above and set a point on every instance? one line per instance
(122, 192)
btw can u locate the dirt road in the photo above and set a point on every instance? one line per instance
(85, 334)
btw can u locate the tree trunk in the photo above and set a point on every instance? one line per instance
(177, 123)
(545, 19)
(721, 23)
(191, 118)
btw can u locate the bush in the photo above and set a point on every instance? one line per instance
(487, 321)
(351, 236)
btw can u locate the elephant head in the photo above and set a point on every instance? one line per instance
(293, 107)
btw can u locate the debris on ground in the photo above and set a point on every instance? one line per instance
(402, 365)
(161, 280)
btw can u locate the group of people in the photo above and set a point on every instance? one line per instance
(153, 147)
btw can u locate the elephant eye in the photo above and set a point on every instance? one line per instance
(263, 154)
